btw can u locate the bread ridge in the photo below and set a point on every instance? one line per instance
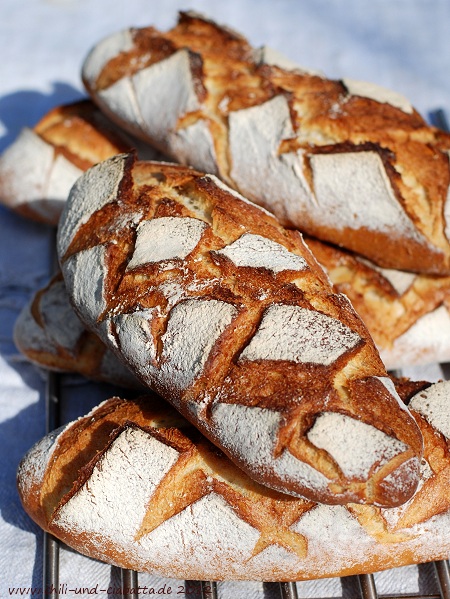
(194, 515)
(406, 313)
(49, 334)
(234, 319)
(38, 169)
(348, 162)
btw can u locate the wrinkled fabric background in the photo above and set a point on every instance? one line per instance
(402, 44)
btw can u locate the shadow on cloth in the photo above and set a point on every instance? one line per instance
(25, 108)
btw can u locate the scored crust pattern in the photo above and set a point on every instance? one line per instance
(407, 314)
(251, 351)
(195, 515)
(49, 333)
(345, 161)
(39, 168)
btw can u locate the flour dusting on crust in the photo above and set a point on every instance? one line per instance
(259, 252)
(91, 510)
(346, 182)
(193, 328)
(355, 445)
(376, 92)
(84, 276)
(434, 405)
(300, 335)
(233, 423)
(165, 238)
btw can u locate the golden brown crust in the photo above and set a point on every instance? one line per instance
(295, 530)
(81, 133)
(392, 304)
(325, 117)
(38, 169)
(349, 380)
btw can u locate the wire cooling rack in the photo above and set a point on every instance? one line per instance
(365, 583)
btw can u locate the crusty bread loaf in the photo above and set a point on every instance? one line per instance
(227, 315)
(134, 485)
(344, 161)
(50, 334)
(407, 314)
(41, 165)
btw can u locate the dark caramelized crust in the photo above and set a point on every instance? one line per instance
(267, 130)
(227, 315)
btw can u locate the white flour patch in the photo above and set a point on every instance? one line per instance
(332, 526)
(62, 177)
(255, 136)
(165, 239)
(32, 467)
(376, 92)
(194, 145)
(232, 423)
(434, 405)
(354, 445)
(167, 83)
(60, 321)
(136, 341)
(426, 341)
(354, 191)
(207, 534)
(194, 326)
(84, 277)
(259, 252)
(299, 335)
(112, 502)
(25, 168)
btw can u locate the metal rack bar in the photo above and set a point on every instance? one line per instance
(130, 584)
(208, 589)
(288, 590)
(443, 574)
(367, 586)
(50, 570)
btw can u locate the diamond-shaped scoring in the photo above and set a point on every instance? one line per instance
(264, 126)
(165, 238)
(222, 524)
(232, 311)
(256, 251)
(299, 335)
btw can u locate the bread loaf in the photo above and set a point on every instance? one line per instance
(49, 333)
(227, 315)
(39, 168)
(134, 485)
(407, 314)
(342, 160)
